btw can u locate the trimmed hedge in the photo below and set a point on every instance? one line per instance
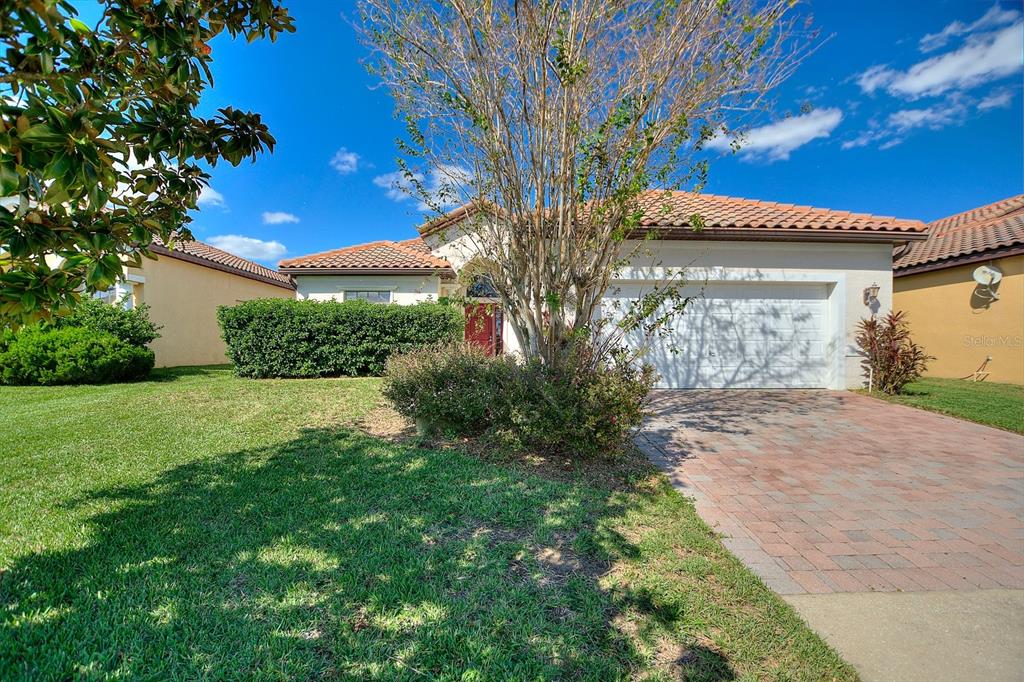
(288, 338)
(72, 355)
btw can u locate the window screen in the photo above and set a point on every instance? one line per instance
(371, 296)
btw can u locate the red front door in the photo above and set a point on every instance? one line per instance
(483, 327)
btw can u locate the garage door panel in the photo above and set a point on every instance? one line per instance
(744, 336)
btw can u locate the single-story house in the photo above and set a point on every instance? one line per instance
(381, 271)
(963, 291)
(782, 286)
(184, 287)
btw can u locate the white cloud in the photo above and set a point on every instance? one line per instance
(345, 162)
(775, 142)
(932, 117)
(398, 184)
(249, 247)
(874, 78)
(208, 196)
(445, 186)
(815, 90)
(862, 140)
(894, 129)
(278, 217)
(983, 58)
(997, 99)
(995, 16)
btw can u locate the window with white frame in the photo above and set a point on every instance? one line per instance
(373, 296)
(122, 293)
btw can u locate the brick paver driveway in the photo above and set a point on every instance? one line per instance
(823, 491)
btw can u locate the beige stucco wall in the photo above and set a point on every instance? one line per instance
(183, 297)
(953, 324)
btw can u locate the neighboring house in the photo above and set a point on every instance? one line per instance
(382, 272)
(390, 272)
(783, 286)
(963, 291)
(183, 288)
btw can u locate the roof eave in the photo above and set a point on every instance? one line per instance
(964, 259)
(784, 235)
(310, 270)
(449, 219)
(213, 265)
(880, 236)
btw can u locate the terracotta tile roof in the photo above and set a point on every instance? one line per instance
(410, 255)
(201, 253)
(967, 235)
(671, 211)
(450, 218)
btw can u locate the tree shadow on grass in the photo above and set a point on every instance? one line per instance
(332, 555)
(167, 374)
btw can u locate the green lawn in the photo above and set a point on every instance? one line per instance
(202, 526)
(999, 405)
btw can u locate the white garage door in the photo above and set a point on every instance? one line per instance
(744, 336)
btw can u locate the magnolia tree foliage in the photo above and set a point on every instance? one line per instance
(551, 117)
(99, 145)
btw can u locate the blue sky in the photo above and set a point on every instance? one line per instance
(917, 113)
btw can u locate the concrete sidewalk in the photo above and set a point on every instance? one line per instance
(961, 636)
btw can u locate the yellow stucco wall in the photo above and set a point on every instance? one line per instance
(183, 297)
(954, 325)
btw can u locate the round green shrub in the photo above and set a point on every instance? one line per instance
(131, 326)
(71, 355)
(581, 407)
(576, 408)
(454, 387)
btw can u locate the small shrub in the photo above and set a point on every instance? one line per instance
(289, 338)
(579, 408)
(453, 387)
(131, 326)
(71, 355)
(892, 360)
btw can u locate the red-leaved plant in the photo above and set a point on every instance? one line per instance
(892, 360)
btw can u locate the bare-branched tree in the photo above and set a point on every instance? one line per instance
(548, 119)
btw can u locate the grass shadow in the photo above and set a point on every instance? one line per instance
(338, 555)
(167, 374)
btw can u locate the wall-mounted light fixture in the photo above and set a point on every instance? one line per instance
(871, 295)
